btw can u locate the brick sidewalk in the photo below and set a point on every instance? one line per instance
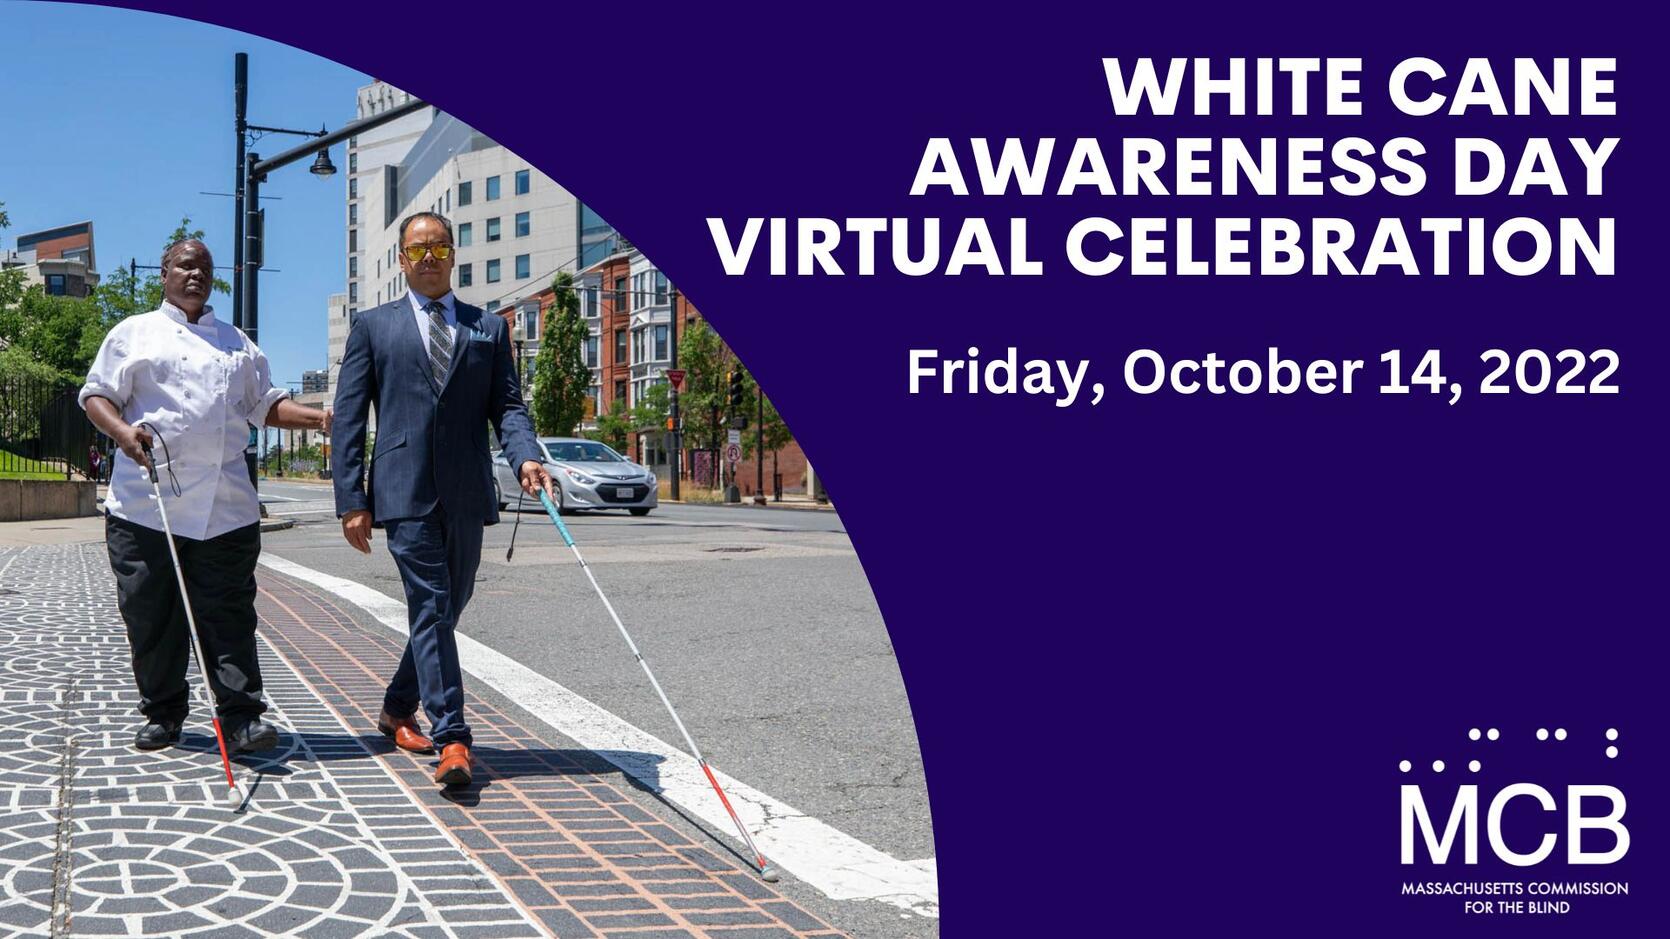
(347, 836)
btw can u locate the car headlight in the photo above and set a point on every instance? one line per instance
(580, 478)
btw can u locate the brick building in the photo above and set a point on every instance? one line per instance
(626, 303)
(59, 259)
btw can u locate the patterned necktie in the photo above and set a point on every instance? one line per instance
(440, 342)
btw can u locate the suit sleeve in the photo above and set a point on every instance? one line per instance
(355, 387)
(506, 410)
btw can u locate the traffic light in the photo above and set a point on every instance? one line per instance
(736, 380)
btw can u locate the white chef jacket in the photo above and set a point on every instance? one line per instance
(200, 385)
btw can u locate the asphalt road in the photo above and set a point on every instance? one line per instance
(759, 622)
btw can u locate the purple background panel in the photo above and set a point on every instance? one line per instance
(1164, 654)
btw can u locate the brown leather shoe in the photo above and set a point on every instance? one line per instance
(455, 765)
(404, 732)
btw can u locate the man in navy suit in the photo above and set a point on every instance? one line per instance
(438, 371)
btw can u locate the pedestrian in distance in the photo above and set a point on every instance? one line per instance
(182, 382)
(438, 372)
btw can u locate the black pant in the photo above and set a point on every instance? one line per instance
(220, 576)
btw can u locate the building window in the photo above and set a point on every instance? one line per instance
(464, 197)
(588, 301)
(522, 182)
(492, 188)
(491, 306)
(522, 271)
(466, 275)
(530, 323)
(620, 347)
(353, 163)
(353, 239)
(56, 285)
(589, 352)
(638, 345)
(660, 287)
(466, 235)
(660, 343)
(493, 271)
(492, 229)
(523, 226)
(353, 213)
(621, 304)
(354, 293)
(620, 395)
(353, 187)
(353, 265)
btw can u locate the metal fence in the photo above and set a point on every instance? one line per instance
(43, 431)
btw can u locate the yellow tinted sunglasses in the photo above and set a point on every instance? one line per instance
(415, 253)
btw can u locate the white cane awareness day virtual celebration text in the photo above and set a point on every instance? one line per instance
(1580, 89)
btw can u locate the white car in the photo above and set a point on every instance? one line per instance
(588, 475)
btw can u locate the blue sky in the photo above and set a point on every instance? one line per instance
(125, 119)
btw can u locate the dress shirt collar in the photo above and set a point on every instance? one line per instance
(179, 316)
(447, 301)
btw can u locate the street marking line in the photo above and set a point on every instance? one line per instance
(837, 864)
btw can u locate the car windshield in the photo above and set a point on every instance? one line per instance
(581, 451)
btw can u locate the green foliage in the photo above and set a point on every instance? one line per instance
(18, 365)
(561, 378)
(775, 435)
(650, 413)
(12, 285)
(63, 333)
(29, 387)
(702, 356)
(703, 403)
(120, 294)
(614, 428)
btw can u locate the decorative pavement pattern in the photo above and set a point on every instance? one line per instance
(345, 835)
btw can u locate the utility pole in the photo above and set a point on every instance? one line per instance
(677, 434)
(240, 106)
(133, 278)
(759, 446)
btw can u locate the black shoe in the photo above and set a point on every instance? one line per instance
(156, 735)
(255, 736)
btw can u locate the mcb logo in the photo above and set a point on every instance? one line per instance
(1586, 807)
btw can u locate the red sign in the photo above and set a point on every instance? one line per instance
(676, 376)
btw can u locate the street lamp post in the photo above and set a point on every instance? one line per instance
(254, 172)
(246, 244)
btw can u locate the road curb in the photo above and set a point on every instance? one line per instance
(278, 524)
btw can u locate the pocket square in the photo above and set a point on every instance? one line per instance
(477, 335)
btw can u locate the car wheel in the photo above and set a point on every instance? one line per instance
(562, 508)
(639, 512)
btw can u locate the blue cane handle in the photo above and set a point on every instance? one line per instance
(551, 510)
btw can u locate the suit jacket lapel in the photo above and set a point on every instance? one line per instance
(469, 318)
(415, 342)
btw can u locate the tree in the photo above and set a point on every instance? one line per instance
(614, 428)
(650, 413)
(774, 432)
(63, 333)
(702, 399)
(561, 378)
